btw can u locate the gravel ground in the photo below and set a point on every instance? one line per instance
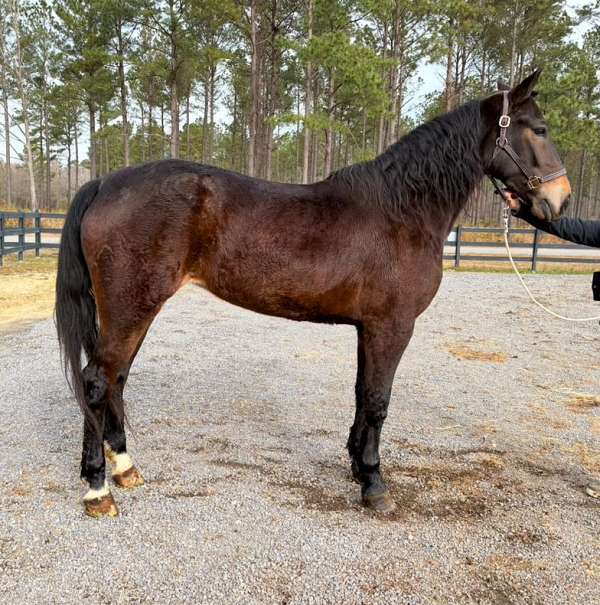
(240, 423)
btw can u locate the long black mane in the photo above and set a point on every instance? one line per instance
(434, 169)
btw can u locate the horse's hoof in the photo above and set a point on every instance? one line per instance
(380, 503)
(101, 507)
(129, 479)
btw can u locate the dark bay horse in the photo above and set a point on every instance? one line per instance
(363, 247)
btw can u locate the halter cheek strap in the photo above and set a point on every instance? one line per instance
(503, 144)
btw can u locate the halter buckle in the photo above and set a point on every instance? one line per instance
(533, 182)
(504, 121)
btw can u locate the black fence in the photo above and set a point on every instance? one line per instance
(22, 232)
(532, 252)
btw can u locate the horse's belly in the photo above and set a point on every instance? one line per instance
(292, 295)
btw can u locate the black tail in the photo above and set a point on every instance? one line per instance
(75, 311)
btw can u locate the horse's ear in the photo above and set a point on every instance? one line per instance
(502, 85)
(523, 91)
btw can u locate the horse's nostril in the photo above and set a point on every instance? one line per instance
(565, 203)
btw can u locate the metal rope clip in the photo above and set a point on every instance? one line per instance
(506, 218)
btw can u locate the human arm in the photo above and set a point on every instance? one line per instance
(579, 231)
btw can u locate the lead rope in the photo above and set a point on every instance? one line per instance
(506, 217)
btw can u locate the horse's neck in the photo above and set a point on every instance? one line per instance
(435, 168)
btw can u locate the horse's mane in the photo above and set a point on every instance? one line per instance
(431, 170)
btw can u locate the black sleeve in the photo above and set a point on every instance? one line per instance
(572, 229)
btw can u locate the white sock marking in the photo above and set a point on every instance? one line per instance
(94, 494)
(121, 463)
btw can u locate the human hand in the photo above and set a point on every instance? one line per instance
(513, 201)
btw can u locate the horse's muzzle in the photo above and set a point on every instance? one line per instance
(552, 198)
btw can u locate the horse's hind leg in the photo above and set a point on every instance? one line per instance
(104, 379)
(124, 473)
(379, 352)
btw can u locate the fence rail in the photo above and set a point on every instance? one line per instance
(22, 232)
(560, 252)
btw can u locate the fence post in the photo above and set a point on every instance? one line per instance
(534, 255)
(457, 246)
(21, 236)
(1, 240)
(38, 232)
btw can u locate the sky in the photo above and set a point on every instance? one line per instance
(428, 78)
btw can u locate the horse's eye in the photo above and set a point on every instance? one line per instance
(541, 132)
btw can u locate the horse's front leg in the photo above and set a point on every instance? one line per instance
(380, 349)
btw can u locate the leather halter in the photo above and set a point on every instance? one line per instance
(503, 144)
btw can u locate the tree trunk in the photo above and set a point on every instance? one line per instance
(99, 144)
(272, 93)
(298, 176)
(40, 175)
(4, 84)
(93, 156)
(144, 132)
(24, 105)
(205, 123)
(76, 155)
(47, 152)
(7, 149)
(211, 128)
(463, 65)
(254, 90)
(513, 51)
(449, 93)
(123, 91)
(234, 126)
(69, 169)
(329, 131)
(308, 99)
(106, 149)
(162, 132)
(173, 92)
(482, 75)
(187, 127)
(381, 129)
(579, 202)
(394, 72)
(147, 139)
(174, 120)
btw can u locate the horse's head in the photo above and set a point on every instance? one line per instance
(517, 149)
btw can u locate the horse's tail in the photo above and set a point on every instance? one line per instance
(75, 310)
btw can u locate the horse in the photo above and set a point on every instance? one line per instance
(363, 247)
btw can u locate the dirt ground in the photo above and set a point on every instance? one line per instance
(26, 291)
(239, 423)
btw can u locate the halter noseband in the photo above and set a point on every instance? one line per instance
(502, 143)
